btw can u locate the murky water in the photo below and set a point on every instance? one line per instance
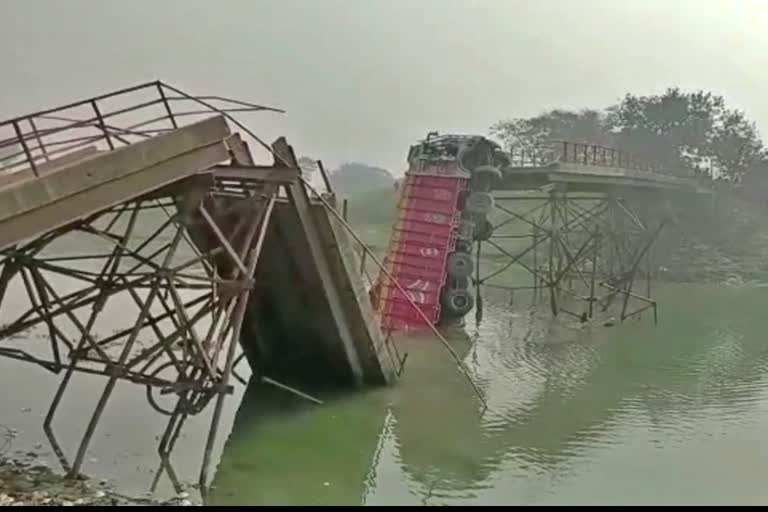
(632, 414)
(629, 414)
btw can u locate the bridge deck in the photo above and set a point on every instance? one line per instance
(590, 178)
(31, 206)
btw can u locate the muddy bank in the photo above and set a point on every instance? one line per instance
(27, 483)
(698, 261)
(727, 244)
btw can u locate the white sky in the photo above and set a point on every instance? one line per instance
(363, 79)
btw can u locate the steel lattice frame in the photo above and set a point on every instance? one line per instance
(175, 344)
(589, 247)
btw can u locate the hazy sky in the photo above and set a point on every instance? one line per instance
(363, 79)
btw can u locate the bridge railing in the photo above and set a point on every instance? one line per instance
(602, 156)
(578, 153)
(104, 123)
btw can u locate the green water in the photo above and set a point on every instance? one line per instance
(632, 414)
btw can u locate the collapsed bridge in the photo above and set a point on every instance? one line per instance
(148, 236)
(141, 240)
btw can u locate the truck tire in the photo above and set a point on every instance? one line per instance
(479, 203)
(458, 302)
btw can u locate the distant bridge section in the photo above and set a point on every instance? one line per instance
(586, 167)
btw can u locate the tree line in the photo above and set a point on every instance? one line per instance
(683, 133)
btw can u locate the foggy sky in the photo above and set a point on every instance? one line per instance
(363, 79)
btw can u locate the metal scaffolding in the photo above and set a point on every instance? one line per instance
(586, 249)
(188, 316)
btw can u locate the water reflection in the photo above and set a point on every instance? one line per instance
(631, 414)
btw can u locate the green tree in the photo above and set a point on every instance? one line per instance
(354, 177)
(684, 133)
(531, 133)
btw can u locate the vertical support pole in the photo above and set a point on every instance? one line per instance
(478, 297)
(38, 139)
(648, 270)
(553, 241)
(326, 178)
(167, 105)
(611, 248)
(103, 127)
(535, 237)
(563, 213)
(344, 208)
(25, 147)
(595, 254)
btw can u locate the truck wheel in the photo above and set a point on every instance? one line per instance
(458, 302)
(479, 203)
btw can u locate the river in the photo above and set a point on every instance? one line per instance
(630, 414)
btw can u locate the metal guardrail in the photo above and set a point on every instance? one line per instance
(594, 154)
(105, 122)
(578, 153)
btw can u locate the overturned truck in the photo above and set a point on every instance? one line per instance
(443, 206)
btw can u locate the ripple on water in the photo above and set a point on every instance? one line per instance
(576, 414)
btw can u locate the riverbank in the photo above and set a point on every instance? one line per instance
(727, 245)
(24, 483)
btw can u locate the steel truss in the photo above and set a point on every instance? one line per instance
(188, 313)
(590, 248)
